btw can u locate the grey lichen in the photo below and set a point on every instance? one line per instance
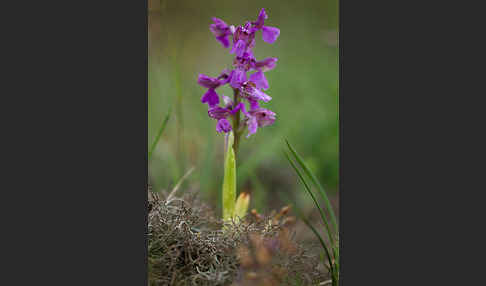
(187, 245)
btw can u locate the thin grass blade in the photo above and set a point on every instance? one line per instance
(328, 254)
(159, 134)
(317, 184)
(308, 189)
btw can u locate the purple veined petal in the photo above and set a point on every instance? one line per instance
(270, 34)
(252, 126)
(224, 40)
(259, 80)
(260, 95)
(239, 48)
(219, 27)
(208, 82)
(211, 97)
(266, 64)
(263, 116)
(218, 112)
(262, 16)
(223, 125)
(250, 91)
(238, 78)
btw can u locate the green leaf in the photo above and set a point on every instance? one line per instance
(159, 134)
(229, 180)
(317, 184)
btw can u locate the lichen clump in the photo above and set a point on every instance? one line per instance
(187, 245)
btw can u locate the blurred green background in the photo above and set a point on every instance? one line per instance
(304, 88)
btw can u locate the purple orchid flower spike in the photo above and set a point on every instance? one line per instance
(248, 89)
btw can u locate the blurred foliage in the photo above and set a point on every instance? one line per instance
(304, 87)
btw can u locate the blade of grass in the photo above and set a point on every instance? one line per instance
(159, 134)
(328, 254)
(333, 267)
(317, 184)
(178, 185)
(323, 216)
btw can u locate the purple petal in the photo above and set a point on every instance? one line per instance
(208, 82)
(223, 125)
(263, 116)
(261, 19)
(250, 91)
(253, 104)
(266, 64)
(219, 27)
(270, 34)
(252, 126)
(223, 40)
(259, 80)
(238, 78)
(218, 112)
(211, 97)
(239, 48)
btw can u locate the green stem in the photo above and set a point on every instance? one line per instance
(236, 122)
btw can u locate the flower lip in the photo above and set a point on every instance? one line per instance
(270, 34)
(223, 125)
(210, 97)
